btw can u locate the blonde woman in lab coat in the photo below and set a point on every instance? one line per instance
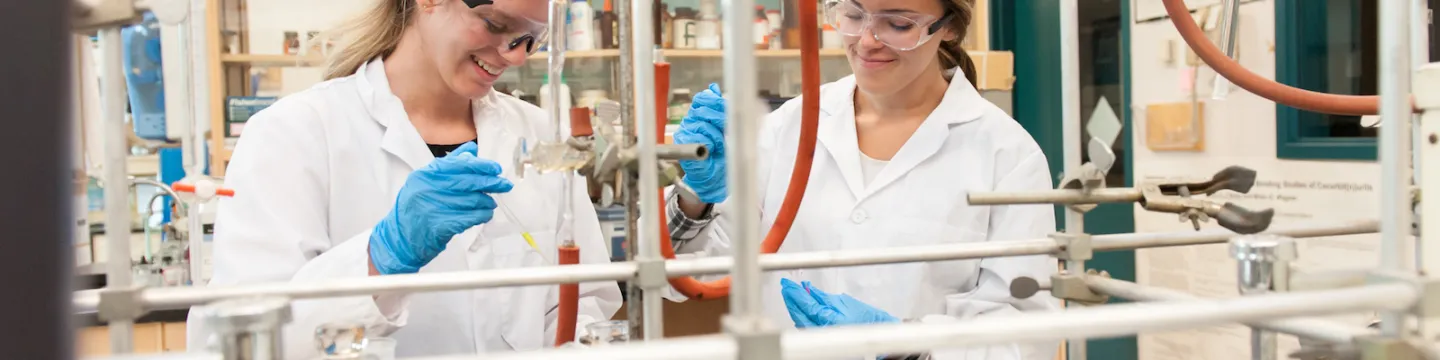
(392, 166)
(900, 144)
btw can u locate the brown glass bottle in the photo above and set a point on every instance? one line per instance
(609, 22)
(790, 10)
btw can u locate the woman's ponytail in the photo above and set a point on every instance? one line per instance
(952, 54)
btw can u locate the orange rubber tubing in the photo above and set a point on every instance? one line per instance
(569, 300)
(799, 175)
(1266, 88)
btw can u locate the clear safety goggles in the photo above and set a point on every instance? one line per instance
(519, 32)
(903, 32)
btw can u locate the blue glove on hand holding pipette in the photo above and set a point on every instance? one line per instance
(436, 203)
(810, 307)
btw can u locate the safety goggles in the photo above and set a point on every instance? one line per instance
(901, 31)
(521, 33)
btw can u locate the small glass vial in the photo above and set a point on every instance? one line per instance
(607, 332)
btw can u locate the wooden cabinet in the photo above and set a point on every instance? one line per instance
(150, 338)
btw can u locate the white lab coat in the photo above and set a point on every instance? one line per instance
(317, 170)
(966, 144)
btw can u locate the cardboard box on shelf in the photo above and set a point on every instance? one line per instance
(995, 69)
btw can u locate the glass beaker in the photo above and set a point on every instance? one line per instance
(608, 332)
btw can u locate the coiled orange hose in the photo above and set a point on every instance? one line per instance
(799, 175)
(1265, 88)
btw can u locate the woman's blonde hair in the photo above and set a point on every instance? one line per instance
(951, 53)
(374, 33)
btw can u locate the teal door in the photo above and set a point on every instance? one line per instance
(1031, 29)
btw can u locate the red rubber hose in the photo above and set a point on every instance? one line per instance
(799, 175)
(1259, 85)
(569, 300)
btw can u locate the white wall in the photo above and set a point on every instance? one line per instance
(1239, 130)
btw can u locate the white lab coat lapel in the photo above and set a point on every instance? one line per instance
(400, 139)
(960, 104)
(836, 133)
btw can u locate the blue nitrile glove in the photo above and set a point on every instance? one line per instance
(705, 125)
(810, 307)
(436, 203)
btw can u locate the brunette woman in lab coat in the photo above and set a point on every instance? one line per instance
(900, 144)
(392, 166)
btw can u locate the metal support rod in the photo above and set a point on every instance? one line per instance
(1186, 238)
(199, 81)
(1419, 55)
(1330, 279)
(1427, 258)
(628, 187)
(1075, 348)
(1395, 110)
(1095, 196)
(179, 298)
(1312, 328)
(741, 136)
(1427, 96)
(1096, 322)
(644, 29)
(681, 152)
(117, 187)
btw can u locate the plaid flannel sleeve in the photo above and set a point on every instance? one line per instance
(682, 228)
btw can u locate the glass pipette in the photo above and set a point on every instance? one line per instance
(524, 233)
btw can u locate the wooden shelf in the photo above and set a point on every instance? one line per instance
(313, 60)
(273, 60)
(685, 53)
(579, 54)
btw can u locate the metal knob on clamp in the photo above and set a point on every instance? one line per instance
(249, 328)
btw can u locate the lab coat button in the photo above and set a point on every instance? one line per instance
(859, 216)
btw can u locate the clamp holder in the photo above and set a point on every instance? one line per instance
(1072, 287)
(1176, 198)
(650, 274)
(1089, 177)
(1073, 247)
(121, 303)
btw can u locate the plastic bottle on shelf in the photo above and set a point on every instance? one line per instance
(831, 38)
(708, 27)
(762, 29)
(582, 23)
(773, 17)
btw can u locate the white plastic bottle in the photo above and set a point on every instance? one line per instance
(708, 26)
(582, 26)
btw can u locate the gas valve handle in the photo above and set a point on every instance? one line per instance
(1243, 221)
